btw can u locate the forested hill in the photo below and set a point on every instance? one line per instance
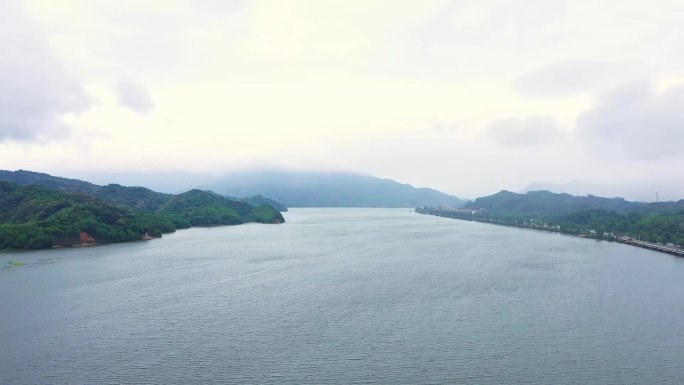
(540, 203)
(206, 208)
(134, 197)
(27, 178)
(258, 200)
(589, 216)
(33, 217)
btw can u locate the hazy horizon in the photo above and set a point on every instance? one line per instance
(468, 98)
(178, 182)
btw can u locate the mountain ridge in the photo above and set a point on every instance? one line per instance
(51, 211)
(329, 189)
(587, 216)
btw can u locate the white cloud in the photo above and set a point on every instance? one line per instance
(635, 122)
(399, 89)
(36, 90)
(530, 131)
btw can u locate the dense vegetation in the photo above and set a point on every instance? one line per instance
(33, 217)
(205, 208)
(135, 197)
(27, 178)
(540, 203)
(259, 200)
(591, 216)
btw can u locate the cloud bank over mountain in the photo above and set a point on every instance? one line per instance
(468, 97)
(37, 88)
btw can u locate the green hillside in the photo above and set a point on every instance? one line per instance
(205, 208)
(259, 200)
(536, 203)
(34, 217)
(136, 197)
(590, 216)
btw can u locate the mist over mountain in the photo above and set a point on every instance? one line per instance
(329, 189)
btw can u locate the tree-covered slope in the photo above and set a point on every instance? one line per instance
(136, 197)
(35, 217)
(206, 208)
(583, 215)
(259, 200)
(539, 203)
(27, 178)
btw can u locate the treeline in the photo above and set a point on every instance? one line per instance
(598, 223)
(589, 216)
(33, 217)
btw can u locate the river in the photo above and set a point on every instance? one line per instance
(342, 296)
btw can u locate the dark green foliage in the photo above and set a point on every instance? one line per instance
(33, 217)
(265, 214)
(27, 178)
(590, 216)
(137, 197)
(259, 200)
(536, 203)
(205, 208)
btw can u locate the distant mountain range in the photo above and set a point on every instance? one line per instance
(279, 189)
(643, 191)
(538, 203)
(546, 203)
(329, 189)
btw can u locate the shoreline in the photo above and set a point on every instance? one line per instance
(142, 239)
(672, 250)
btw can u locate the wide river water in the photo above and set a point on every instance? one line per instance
(344, 296)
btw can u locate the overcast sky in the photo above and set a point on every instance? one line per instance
(469, 97)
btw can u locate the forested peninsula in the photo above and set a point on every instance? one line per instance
(615, 219)
(48, 212)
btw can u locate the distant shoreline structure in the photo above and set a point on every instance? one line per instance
(462, 214)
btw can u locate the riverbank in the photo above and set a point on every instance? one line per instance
(468, 215)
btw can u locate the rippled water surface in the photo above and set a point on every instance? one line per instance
(344, 296)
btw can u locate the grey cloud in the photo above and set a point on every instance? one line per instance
(573, 77)
(36, 91)
(634, 121)
(533, 130)
(134, 96)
